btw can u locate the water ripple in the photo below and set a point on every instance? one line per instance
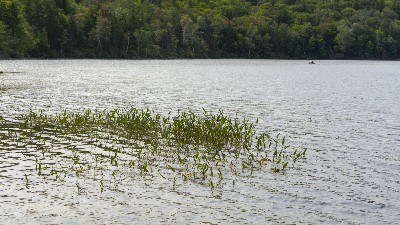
(345, 112)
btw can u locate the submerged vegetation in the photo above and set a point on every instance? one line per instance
(302, 29)
(208, 149)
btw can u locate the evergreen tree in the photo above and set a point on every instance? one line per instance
(362, 29)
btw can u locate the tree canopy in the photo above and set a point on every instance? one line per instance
(289, 29)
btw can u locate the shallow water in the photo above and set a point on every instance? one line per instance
(345, 112)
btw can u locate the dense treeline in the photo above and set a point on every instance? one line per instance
(303, 29)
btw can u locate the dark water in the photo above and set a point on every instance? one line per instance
(347, 113)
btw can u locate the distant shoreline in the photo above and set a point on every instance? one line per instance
(149, 59)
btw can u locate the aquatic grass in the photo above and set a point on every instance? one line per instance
(205, 148)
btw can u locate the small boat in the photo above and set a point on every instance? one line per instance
(312, 62)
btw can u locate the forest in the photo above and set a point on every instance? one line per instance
(168, 29)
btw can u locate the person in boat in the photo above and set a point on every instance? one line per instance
(312, 62)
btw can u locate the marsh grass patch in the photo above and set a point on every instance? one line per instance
(206, 149)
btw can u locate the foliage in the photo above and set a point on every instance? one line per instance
(323, 29)
(208, 149)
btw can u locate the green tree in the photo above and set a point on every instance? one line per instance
(345, 40)
(5, 40)
(200, 28)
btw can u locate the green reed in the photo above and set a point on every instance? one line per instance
(203, 148)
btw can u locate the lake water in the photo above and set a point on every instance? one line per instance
(347, 113)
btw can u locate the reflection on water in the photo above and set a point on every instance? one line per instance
(345, 112)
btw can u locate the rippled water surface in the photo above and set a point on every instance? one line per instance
(347, 113)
